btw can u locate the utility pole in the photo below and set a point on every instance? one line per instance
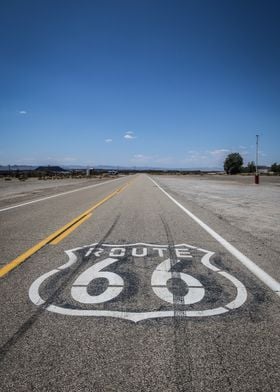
(257, 177)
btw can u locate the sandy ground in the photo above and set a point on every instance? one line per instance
(15, 186)
(16, 191)
(236, 199)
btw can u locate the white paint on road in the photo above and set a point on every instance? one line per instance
(57, 195)
(249, 264)
(79, 289)
(143, 252)
(241, 291)
(34, 288)
(163, 273)
(160, 275)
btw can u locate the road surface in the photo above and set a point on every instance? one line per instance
(133, 285)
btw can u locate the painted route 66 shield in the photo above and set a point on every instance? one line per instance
(137, 282)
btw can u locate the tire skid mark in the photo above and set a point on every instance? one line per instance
(180, 376)
(23, 329)
(173, 261)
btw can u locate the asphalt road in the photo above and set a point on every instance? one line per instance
(134, 295)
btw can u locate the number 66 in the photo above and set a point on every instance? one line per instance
(159, 282)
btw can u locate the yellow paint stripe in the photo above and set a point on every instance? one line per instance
(20, 259)
(68, 231)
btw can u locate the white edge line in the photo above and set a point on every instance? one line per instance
(254, 268)
(57, 195)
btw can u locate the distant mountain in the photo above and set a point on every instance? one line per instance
(53, 169)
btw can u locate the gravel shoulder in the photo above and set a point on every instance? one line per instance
(252, 208)
(15, 191)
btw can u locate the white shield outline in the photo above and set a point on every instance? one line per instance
(239, 300)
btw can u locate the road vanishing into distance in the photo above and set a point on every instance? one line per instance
(132, 285)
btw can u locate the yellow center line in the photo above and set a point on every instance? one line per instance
(51, 238)
(68, 231)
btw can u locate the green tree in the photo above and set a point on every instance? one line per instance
(251, 167)
(233, 163)
(275, 168)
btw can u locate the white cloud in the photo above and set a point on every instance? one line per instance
(22, 112)
(151, 159)
(129, 135)
(141, 158)
(108, 140)
(164, 160)
(69, 159)
(219, 152)
(202, 158)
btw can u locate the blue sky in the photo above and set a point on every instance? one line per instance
(137, 83)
